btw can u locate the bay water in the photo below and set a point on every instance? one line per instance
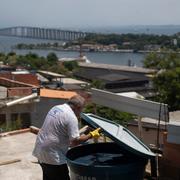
(117, 58)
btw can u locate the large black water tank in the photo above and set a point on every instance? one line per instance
(124, 159)
(104, 161)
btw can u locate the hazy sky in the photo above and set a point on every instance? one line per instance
(88, 13)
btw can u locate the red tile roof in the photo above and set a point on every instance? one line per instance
(11, 83)
(25, 78)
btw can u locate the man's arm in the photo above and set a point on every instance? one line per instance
(83, 138)
(80, 140)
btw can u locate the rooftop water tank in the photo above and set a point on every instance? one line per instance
(125, 158)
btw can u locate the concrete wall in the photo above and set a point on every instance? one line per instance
(149, 135)
(41, 109)
(3, 92)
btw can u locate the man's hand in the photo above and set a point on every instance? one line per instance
(95, 133)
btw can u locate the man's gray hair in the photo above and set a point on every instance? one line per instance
(76, 101)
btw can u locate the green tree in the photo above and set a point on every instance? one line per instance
(97, 84)
(167, 84)
(70, 65)
(169, 60)
(2, 57)
(167, 79)
(33, 61)
(52, 59)
(11, 59)
(58, 69)
(108, 113)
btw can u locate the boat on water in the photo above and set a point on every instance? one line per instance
(78, 59)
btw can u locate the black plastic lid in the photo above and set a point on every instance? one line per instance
(119, 134)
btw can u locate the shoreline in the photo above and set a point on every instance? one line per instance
(100, 51)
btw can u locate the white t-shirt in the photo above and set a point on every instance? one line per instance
(59, 128)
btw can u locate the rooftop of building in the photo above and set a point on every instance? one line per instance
(20, 78)
(117, 67)
(152, 123)
(72, 81)
(49, 93)
(108, 74)
(52, 74)
(16, 160)
(14, 83)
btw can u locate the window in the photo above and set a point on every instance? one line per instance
(25, 120)
(20, 121)
(2, 119)
(2, 122)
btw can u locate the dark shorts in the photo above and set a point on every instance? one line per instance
(55, 172)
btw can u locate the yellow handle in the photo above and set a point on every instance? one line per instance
(95, 133)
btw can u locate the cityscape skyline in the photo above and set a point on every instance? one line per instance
(84, 13)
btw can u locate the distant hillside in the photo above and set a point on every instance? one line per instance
(138, 29)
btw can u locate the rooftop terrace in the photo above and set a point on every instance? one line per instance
(16, 160)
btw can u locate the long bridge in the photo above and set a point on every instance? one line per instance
(42, 33)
